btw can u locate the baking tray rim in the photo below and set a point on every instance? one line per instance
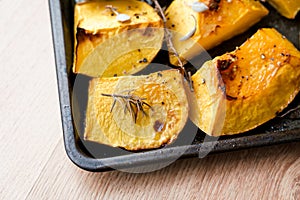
(143, 158)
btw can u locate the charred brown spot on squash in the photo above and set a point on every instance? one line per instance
(83, 35)
(158, 126)
(230, 98)
(213, 5)
(224, 64)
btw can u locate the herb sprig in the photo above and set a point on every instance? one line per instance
(130, 102)
(168, 39)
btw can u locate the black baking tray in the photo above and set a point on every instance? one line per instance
(103, 158)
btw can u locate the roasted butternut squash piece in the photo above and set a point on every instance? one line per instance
(287, 8)
(215, 23)
(261, 78)
(118, 37)
(114, 116)
(208, 101)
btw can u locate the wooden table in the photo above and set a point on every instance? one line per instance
(34, 164)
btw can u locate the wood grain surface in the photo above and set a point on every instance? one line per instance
(34, 164)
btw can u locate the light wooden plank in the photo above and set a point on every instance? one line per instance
(265, 173)
(30, 121)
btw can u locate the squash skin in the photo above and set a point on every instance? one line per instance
(287, 8)
(213, 26)
(261, 78)
(106, 47)
(164, 92)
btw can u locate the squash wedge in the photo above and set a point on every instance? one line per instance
(208, 101)
(112, 123)
(287, 8)
(108, 46)
(261, 78)
(220, 22)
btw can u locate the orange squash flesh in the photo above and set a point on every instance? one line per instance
(161, 124)
(105, 46)
(208, 101)
(261, 78)
(287, 8)
(213, 26)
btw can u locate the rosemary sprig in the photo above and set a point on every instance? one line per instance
(133, 103)
(168, 39)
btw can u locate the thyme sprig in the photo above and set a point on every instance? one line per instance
(168, 39)
(130, 102)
